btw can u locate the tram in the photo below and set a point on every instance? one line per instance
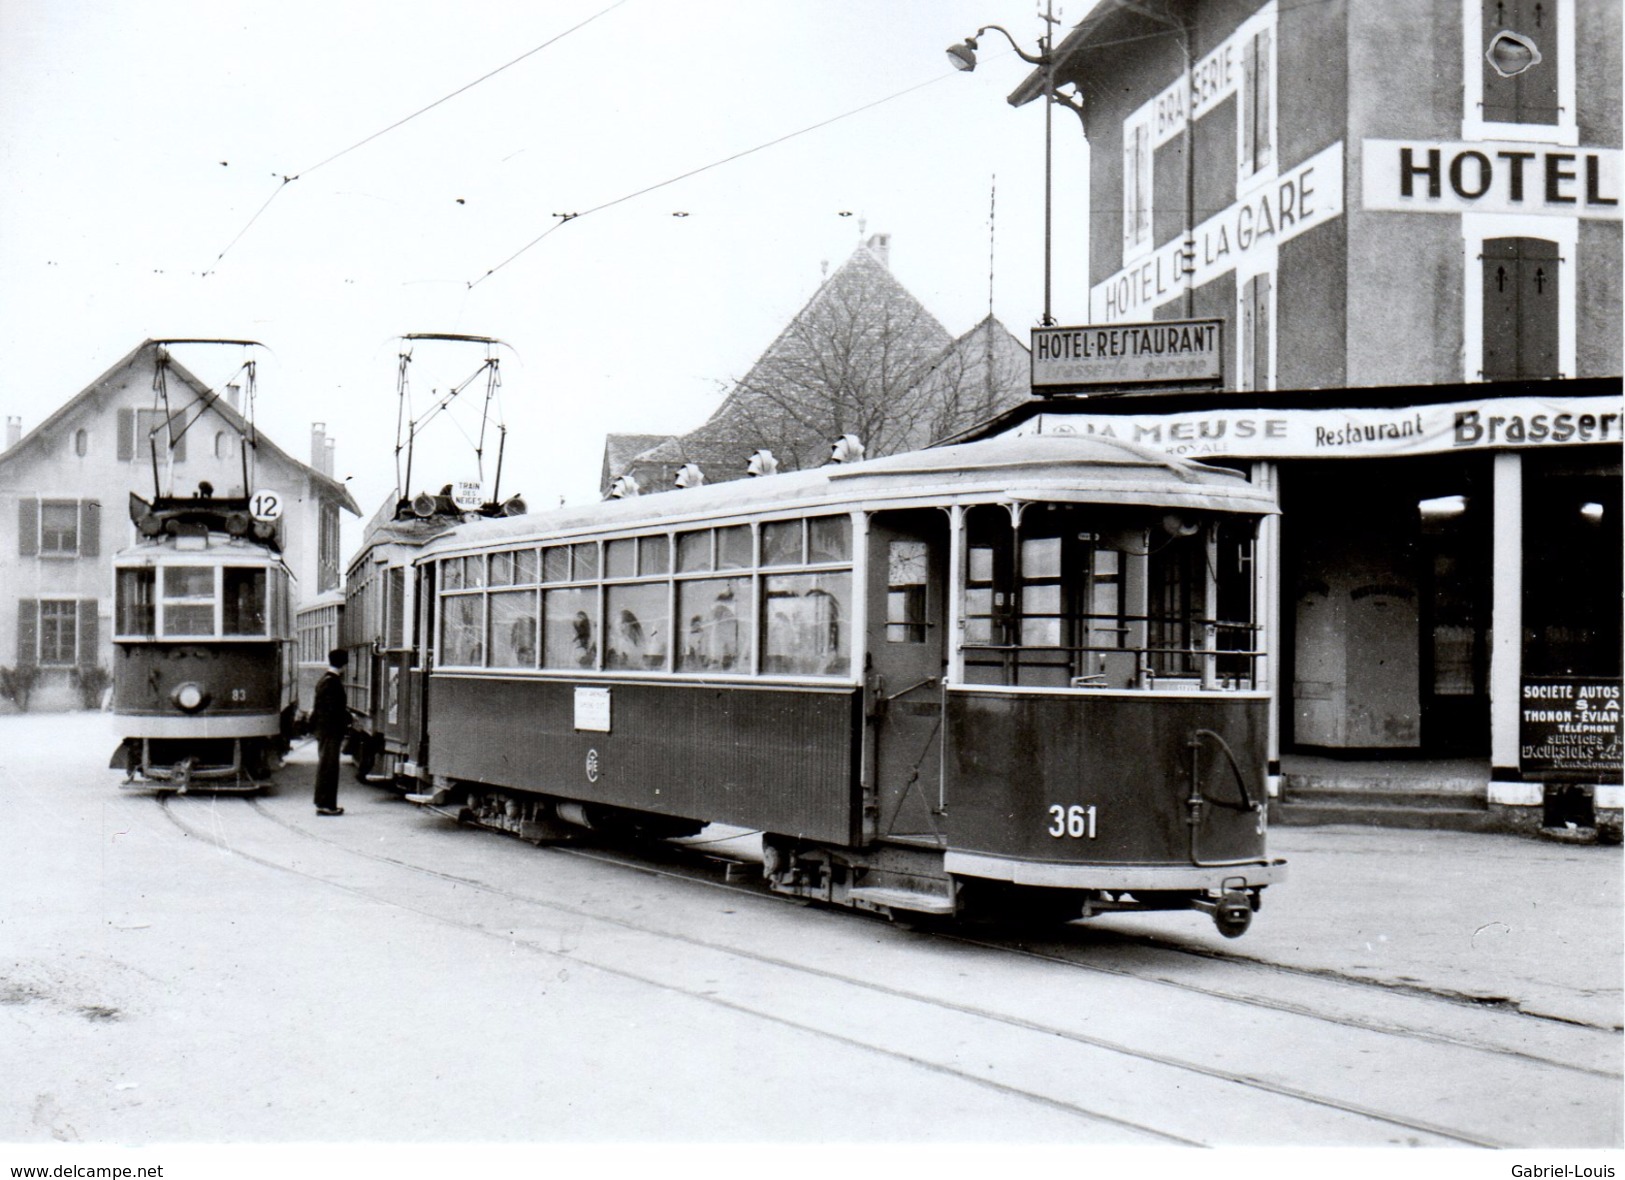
(203, 652)
(1016, 676)
(375, 620)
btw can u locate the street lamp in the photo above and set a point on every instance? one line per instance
(963, 57)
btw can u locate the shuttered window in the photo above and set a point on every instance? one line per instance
(1520, 309)
(1531, 97)
(58, 528)
(1255, 333)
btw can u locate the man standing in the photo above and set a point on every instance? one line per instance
(330, 718)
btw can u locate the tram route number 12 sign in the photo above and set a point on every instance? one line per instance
(1569, 728)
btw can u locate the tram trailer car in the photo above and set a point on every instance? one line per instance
(1018, 677)
(203, 664)
(376, 629)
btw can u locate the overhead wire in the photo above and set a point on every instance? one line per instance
(566, 218)
(289, 179)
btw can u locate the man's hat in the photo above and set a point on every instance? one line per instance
(338, 658)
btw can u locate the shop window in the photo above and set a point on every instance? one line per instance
(1531, 96)
(1572, 576)
(1520, 285)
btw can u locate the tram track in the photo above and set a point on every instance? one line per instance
(1412, 1126)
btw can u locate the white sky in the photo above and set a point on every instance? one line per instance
(137, 141)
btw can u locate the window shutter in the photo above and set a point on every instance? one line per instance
(27, 526)
(1261, 90)
(90, 528)
(89, 655)
(1249, 105)
(177, 423)
(1261, 332)
(126, 435)
(1520, 309)
(27, 632)
(1247, 377)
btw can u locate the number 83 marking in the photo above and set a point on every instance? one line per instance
(1076, 821)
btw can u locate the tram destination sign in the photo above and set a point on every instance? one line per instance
(1165, 352)
(1569, 728)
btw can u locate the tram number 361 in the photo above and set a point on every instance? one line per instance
(1077, 821)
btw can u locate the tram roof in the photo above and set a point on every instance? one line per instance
(1066, 468)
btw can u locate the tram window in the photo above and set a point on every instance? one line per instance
(829, 538)
(905, 592)
(474, 571)
(694, 551)
(513, 629)
(462, 626)
(804, 624)
(1177, 574)
(556, 564)
(781, 542)
(188, 600)
(502, 569)
(715, 618)
(524, 568)
(136, 613)
(621, 558)
(451, 574)
(654, 555)
(734, 548)
(395, 610)
(636, 634)
(584, 562)
(243, 609)
(570, 634)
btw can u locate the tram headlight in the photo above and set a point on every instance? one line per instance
(190, 697)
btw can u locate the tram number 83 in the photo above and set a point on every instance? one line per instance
(1077, 821)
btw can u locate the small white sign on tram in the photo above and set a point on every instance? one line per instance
(468, 494)
(592, 709)
(265, 505)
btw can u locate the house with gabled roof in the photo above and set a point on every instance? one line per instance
(65, 487)
(862, 357)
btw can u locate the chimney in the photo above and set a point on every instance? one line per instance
(234, 396)
(327, 457)
(14, 431)
(880, 246)
(318, 444)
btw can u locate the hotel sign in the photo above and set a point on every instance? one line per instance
(1164, 352)
(1245, 234)
(1417, 176)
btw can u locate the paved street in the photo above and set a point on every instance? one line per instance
(227, 970)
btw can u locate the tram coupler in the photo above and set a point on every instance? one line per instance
(1232, 911)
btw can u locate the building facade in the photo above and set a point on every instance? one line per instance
(1405, 222)
(65, 488)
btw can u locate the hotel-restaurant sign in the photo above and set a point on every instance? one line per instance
(1492, 423)
(1167, 351)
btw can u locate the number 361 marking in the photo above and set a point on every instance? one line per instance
(1076, 821)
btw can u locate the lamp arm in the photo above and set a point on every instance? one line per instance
(1041, 60)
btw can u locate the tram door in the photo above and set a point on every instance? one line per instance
(907, 646)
